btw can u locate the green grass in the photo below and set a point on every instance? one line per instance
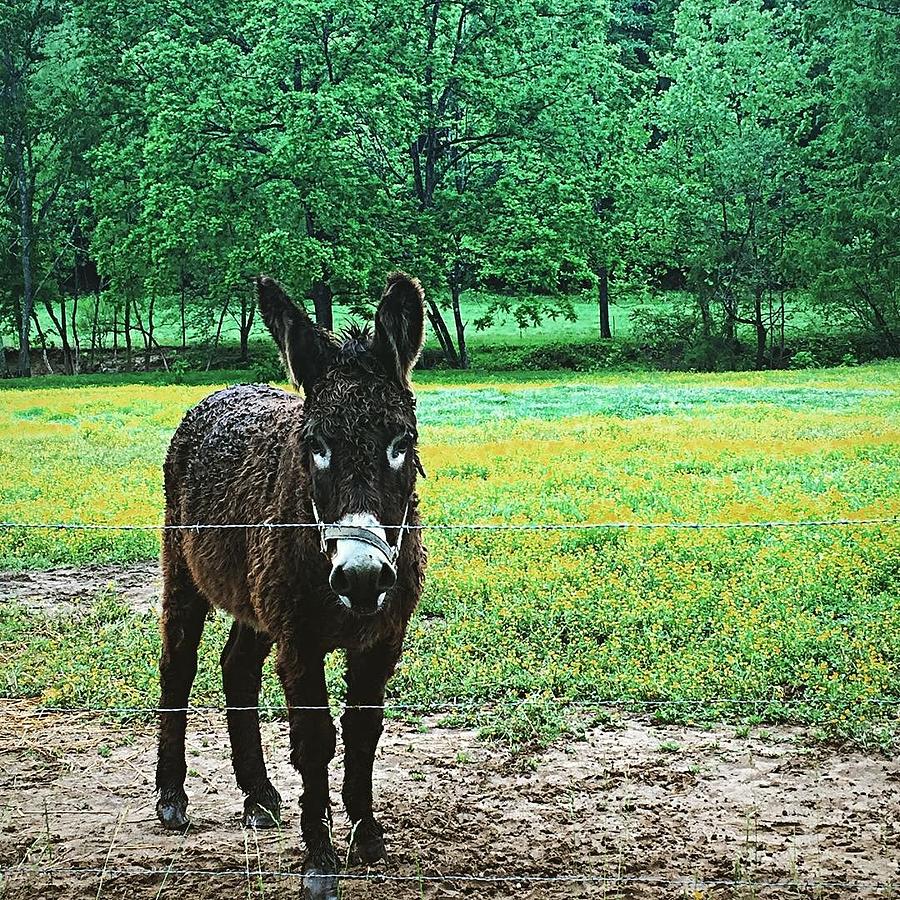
(801, 625)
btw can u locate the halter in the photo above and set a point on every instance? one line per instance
(358, 533)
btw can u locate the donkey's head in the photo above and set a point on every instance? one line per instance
(359, 430)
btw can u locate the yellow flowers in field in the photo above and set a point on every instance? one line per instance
(806, 621)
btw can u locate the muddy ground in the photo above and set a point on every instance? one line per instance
(642, 810)
(636, 810)
(67, 589)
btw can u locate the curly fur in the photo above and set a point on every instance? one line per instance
(243, 456)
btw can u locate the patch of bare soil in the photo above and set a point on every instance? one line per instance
(68, 589)
(639, 810)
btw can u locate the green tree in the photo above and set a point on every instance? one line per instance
(484, 88)
(853, 258)
(725, 182)
(42, 136)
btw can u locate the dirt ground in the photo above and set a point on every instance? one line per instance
(637, 810)
(65, 590)
(640, 810)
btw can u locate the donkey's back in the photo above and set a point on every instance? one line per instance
(226, 465)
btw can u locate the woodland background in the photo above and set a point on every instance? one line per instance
(720, 177)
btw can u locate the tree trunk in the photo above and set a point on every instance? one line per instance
(729, 321)
(73, 322)
(127, 328)
(218, 335)
(759, 325)
(321, 295)
(26, 235)
(603, 301)
(248, 309)
(43, 339)
(183, 317)
(68, 366)
(148, 339)
(705, 314)
(95, 326)
(442, 334)
(59, 323)
(457, 318)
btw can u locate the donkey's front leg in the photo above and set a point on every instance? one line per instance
(367, 673)
(312, 748)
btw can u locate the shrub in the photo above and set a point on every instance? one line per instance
(804, 359)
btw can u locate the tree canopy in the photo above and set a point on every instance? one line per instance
(158, 155)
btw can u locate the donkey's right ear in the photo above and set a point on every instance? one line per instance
(306, 349)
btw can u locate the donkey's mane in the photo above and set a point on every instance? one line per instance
(355, 342)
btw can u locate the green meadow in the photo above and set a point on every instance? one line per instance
(535, 632)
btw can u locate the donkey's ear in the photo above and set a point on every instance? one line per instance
(306, 349)
(400, 325)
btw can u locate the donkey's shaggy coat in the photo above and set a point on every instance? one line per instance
(254, 454)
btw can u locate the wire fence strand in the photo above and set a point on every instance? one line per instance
(450, 706)
(804, 884)
(687, 881)
(466, 526)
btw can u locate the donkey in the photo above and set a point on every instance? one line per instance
(253, 454)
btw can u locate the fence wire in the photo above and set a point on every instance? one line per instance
(451, 706)
(609, 880)
(688, 881)
(465, 526)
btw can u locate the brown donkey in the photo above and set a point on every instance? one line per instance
(254, 454)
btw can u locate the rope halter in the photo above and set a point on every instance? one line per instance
(362, 534)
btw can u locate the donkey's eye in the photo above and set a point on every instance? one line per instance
(320, 451)
(397, 450)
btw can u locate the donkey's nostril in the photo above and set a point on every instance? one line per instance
(387, 578)
(339, 581)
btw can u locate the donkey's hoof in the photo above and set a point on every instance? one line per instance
(366, 843)
(171, 808)
(261, 815)
(320, 875)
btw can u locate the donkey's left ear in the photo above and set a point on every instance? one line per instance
(400, 325)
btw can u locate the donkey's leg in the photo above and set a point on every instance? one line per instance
(367, 673)
(242, 662)
(184, 612)
(312, 748)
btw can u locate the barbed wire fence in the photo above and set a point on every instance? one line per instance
(606, 880)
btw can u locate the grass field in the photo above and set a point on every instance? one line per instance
(804, 622)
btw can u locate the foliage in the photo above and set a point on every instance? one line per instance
(801, 621)
(156, 158)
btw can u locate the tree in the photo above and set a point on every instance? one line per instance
(39, 133)
(727, 177)
(483, 91)
(853, 256)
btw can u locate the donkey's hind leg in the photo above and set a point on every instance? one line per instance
(242, 662)
(184, 612)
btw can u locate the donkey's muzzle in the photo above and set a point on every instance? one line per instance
(361, 580)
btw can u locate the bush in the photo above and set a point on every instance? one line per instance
(804, 359)
(667, 337)
(583, 356)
